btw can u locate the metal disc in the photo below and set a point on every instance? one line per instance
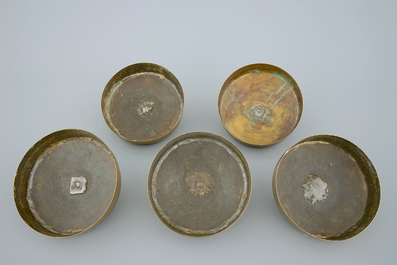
(327, 187)
(143, 103)
(67, 183)
(260, 104)
(199, 184)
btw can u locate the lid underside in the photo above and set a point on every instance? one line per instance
(327, 191)
(260, 105)
(199, 186)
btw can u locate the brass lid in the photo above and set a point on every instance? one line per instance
(143, 103)
(260, 104)
(67, 183)
(327, 187)
(199, 184)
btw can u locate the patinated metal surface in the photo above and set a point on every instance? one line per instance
(260, 104)
(143, 103)
(199, 184)
(67, 183)
(327, 187)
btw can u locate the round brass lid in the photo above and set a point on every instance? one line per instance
(67, 183)
(327, 187)
(260, 104)
(143, 103)
(199, 184)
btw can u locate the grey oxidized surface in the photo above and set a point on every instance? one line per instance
(199, 186)
(67, 183)
(72, 165)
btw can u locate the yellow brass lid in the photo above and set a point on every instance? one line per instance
(67, 183)
(199, 184)
(327, 187)
(143, 103)
(260, 104)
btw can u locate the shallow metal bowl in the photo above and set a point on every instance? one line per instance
(143, 103)
(260, 104)
(67, 183)
(327, 187)
(199, 184)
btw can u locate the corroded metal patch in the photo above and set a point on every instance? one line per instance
(315, 189)
(199, 184)
(327, 187)
(260, 104)
(78, 185)
(145, 108)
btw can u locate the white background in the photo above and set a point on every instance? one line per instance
(57, 56)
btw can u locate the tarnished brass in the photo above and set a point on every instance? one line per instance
(327, 187)
(260, 104)
(67, 183)
(199, 184)
(143, 103)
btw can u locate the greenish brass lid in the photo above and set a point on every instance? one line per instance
(199, 184)
(67, 183)
(260, 104)
(327, 187)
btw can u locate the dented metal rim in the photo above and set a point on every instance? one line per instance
(364, 164)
